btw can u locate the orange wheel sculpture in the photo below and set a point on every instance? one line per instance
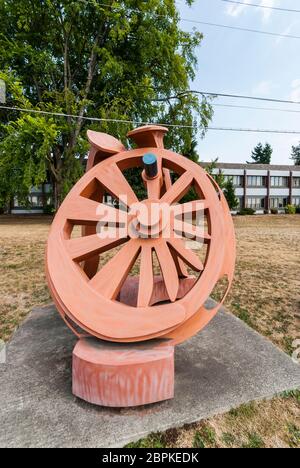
(103, 299)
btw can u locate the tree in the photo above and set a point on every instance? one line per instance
(229, 193)
(122, 61)
(226, 185)
(218, 176)
(296, 154)
(261, 154)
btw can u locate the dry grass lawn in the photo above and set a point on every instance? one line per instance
(265, 294)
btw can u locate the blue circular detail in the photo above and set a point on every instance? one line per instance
(149, 159)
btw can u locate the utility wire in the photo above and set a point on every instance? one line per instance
(255, 130)
(92, 119)
(257, 31)
(96, 119)
(205, 23)
(236, 96)
(261, 6)
(276, 109)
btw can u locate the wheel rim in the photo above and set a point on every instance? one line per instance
(92, 303)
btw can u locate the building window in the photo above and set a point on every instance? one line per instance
(256, 181)
(296, 182)
(278, 202)
(256, 203)
(36, 201)
(237, 180)
(296, 201)
(279, 181)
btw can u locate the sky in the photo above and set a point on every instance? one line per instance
(239, 62)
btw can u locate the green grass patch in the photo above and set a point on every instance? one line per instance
(254, 442)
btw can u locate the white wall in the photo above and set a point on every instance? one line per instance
(257, 172)
(279, 192)
(257, 192)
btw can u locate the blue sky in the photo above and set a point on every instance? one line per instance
(239, 62)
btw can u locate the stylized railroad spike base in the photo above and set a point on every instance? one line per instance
(119, 376)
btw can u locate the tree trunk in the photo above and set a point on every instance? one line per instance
(56, 177)
(57, 192)
(10, 205)
(44, 198)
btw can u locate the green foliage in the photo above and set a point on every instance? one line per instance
(262, 154)
(82, 58)
(225, 185)
(290, 209)
(247, 212)
(198, 441)
(291, 394)
(217, 176)
(243, 315)
(294, 433)
(204, 437)
(296, 154)
(49, 210)
(229, 193)
(246, 411)
(254, 442)
(228, 439)
(152, 441)
(24, 152)
(288, 345)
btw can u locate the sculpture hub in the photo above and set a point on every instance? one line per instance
(151, 218)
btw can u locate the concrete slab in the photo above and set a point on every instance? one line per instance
(224, 366)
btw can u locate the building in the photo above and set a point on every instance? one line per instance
(257, 186)
(38, 199)
(263, 187)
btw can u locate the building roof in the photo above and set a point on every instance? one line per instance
(266, 167)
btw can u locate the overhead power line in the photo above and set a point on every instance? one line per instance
(276, 109)
(97, 119)
(205, 23)
(92, 119)
(237, 28)
(235, 96)
(255, 130)
(261, 6)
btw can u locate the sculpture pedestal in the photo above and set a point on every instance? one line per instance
(122, 375)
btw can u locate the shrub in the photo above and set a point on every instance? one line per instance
(274, 211)
(298, 210)
(49, 210)
(290, 209)
(247, 211)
